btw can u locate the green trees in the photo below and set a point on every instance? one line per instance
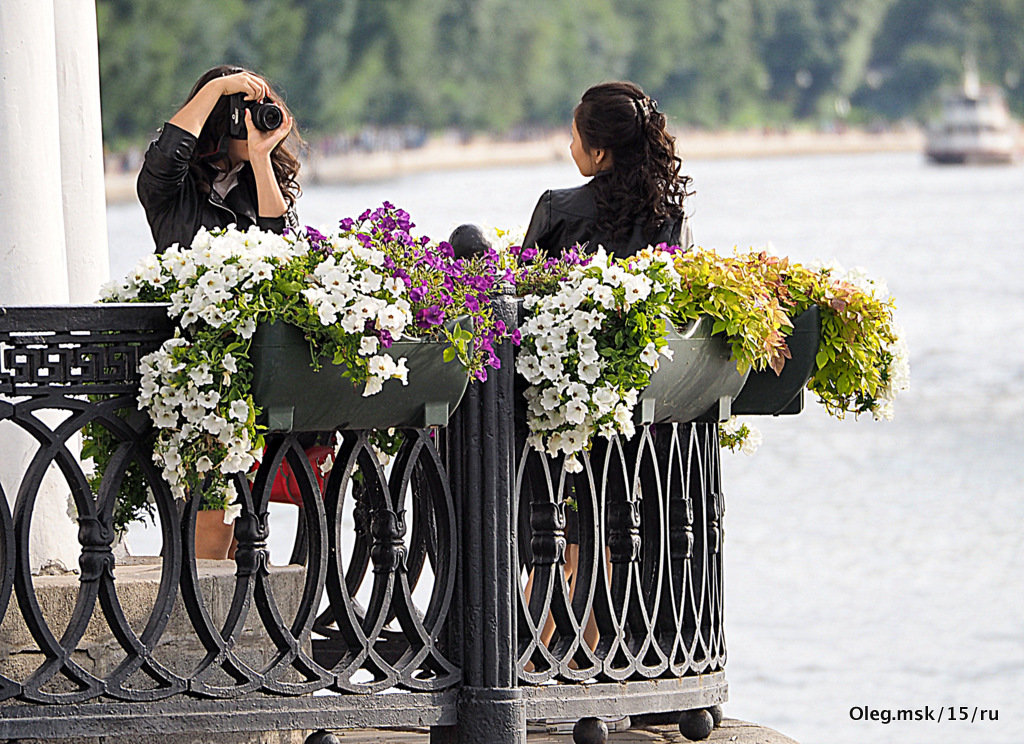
(494, 64)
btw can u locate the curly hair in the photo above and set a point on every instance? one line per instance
(210, 146)
(644, 183)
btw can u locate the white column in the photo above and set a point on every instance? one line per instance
(32, 264)
(81, 147)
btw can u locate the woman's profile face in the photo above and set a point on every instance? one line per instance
(590, 161)
(581, 155)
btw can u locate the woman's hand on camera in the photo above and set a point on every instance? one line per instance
(261, 143)
(254, 88)
(271, 201)
(193, 114)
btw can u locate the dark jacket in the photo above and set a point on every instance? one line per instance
(566, 217)
(174, 205)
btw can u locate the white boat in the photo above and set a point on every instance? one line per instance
(975, 127)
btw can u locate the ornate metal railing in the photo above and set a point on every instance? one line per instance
(469, 586)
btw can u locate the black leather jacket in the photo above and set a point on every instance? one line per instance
(567, 217)
(176, 209)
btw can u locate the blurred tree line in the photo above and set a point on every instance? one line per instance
(498, 64)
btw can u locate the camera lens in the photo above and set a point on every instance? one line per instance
(267, 116)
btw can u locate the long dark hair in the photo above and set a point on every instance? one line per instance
(644, 183)
(212, 137)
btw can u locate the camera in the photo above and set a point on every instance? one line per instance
(266, 115)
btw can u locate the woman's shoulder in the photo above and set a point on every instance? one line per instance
(578, 200)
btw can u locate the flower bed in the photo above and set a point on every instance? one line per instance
(352, 295)
(595, 333)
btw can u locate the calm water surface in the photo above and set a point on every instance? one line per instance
(868, 564)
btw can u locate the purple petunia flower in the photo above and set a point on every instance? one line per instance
(472, 303)
(517, 337)
(528, 254)
(431, 260)
(347, 224)
(403, 219)
(429, 316)
(418, 293)
(480, 283)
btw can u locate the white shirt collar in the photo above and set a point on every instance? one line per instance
(227, 181)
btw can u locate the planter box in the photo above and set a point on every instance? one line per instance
(769, 394)
(699, 382)
(294, 397)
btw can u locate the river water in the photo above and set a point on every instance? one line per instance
(869, 564)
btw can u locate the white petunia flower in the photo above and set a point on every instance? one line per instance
(550, 399)
(239, 410)
(588, 372)
(572, 464)
(529, 367)
(576, 411)
(215, 424)
(373, 386)
(232, 512)
(401, 371)
(368, 345)
(604, 296)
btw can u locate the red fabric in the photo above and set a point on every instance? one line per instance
(285, 489)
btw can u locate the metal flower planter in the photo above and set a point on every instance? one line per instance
(295, 397)
(767, 393)
(699, 382)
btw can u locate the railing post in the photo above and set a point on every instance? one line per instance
(481, 468)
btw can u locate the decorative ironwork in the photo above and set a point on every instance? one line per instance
(48, 348)
(643, 599)
(457, 578)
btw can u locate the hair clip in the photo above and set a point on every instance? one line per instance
(641, 108)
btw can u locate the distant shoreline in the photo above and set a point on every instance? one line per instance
(443, 154)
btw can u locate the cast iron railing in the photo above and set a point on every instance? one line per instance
(434, 591)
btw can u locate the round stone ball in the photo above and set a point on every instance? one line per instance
(590, 731)
(469, 240)
(696, 724)
(716, 714)
(322, 737)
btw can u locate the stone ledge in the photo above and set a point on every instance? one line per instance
(137, 582)
(730, 732)
(263, 737)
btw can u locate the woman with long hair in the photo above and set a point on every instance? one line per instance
(204, 171)
(636, 192)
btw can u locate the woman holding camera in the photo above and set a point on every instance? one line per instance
(206, 170)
